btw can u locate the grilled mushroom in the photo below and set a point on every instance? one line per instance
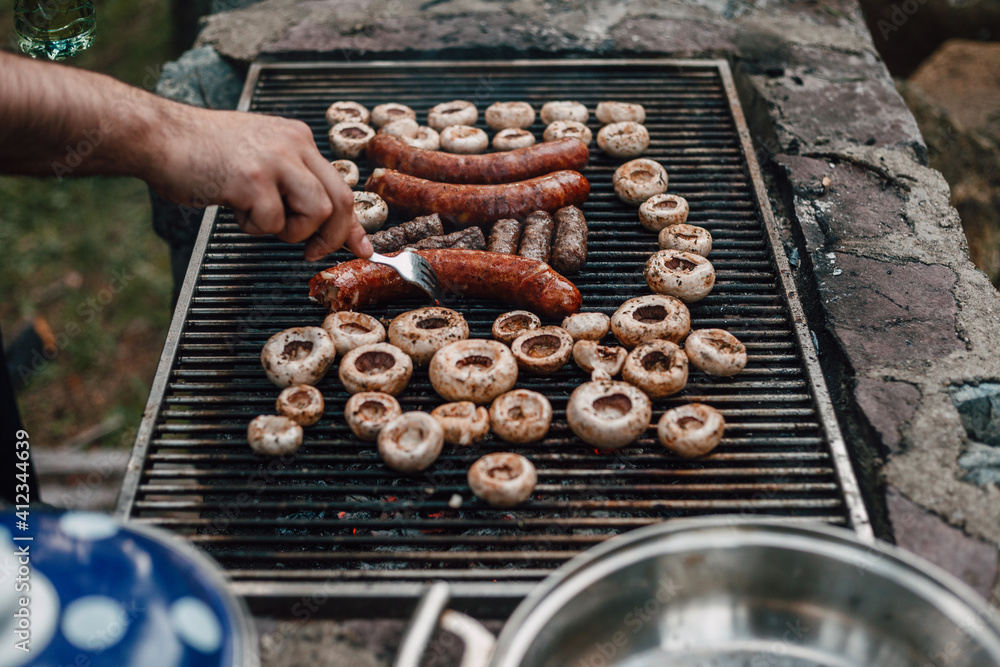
(691, 430)
(608, 414)
(685, 275)
(561, 129)
(274, 435)
(623, 140)
(349, 330)
(658, 367)
(348, 171)
(411, 442)
(404, 128)
(502, 479)
(638, 180)
(473, 370)
(375, 367)
(716, 351)
(650, 317)
(340, 112)
(510, 325)
(512, 138)
(426, 138)
(422, 332)
(542, 351)
(456, 112)
(383, 114)
(603, 362)
(464, 139)
(688, 238)
(463, 422)
(302, 403)
(618, 112)
(348, 139)
(300, 355)
(521, 416)
(370, 210)
(564, 110)
(663, 210)
(502, 115)
(368, 411)
(587, 326)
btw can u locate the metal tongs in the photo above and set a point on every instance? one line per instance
(413, 269)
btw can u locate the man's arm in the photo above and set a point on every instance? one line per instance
(59, 121)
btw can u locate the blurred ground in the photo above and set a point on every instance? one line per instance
(82, 254)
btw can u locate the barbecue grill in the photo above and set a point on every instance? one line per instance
(333, 521)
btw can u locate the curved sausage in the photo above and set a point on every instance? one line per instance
(569, 251)
(385, 150)
(476, 274)
(466, 205)
(536, 240)
(505, 236)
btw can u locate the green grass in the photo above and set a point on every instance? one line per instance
(82, 254)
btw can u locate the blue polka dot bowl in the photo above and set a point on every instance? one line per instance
(80, 589)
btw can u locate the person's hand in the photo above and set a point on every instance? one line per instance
(267, 169)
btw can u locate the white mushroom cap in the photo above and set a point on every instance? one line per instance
(368, 411)
(512, 138)
(564, 110)
(404, 128)
(464, 139)
(716, 351)
(473, 370)
(370, 210)
(689, 238)
(422, 332)
(350, 329)
(302, 403)
(608, 414)
(274, 435)
(411, 442)
(691, 430)
(426, 138)
(602, 361)
(510, 325)
(340, 112)
(463, 422)
(349, 139)
(456, 112)
(561, 129)
(375, 367)
(638, 180)
(391, 111)
(502, 115)
(300, 355)
(623, 140)
(663, 210)
(587, 326)
(502, 479)
(618, 112)
(348, 171)
(650, 317)
(685, 275)
(542, 351)
(521, 416)
(658, 367)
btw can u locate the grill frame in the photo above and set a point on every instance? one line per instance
(394, 597)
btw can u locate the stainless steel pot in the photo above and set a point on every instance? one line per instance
(723, 591)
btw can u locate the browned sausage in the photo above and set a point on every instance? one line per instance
(569, 251)
(517, 281)
(505, 236)
(471, 238)
(385, 150)
(466, 205)
(395, 238)
(536, 240)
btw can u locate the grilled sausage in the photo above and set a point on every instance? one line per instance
(536, 241)
(517, 281)
(516, 165)
(471, 238)
(394, 238)
(569, 251)
(505, 236)
(466, 205)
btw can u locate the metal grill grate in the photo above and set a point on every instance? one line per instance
(336, 515)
